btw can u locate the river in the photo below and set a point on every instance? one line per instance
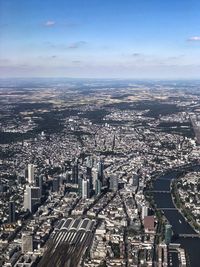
(179, 224)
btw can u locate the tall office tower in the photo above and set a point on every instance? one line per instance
(144, 212)
(27, 242)
(32, 197)
(39, 183)
(30, 173)
(89, 162)
(80, 186)
(89, 177)
(100, 168)
(91, 188)
(94, 176)
(27, 201)
(168, 233)
(114, 182)
(56, 184)
(85, 188)
(97, 187)
(89, 172)
(12, 217)
(75, 172)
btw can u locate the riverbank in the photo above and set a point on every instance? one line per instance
(163, 202)
(181, 207)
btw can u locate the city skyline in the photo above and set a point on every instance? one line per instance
(97, 39)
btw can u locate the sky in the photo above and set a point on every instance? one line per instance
(100, 38)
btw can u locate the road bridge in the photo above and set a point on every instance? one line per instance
(167, 209)
(158, 191)
(189, 235)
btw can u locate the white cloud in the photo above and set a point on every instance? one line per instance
(49, 23)
(136, 54)
(194, 38)
(77, 45)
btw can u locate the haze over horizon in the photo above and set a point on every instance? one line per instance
(100, 39)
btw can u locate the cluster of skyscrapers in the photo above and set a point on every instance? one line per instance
(89, 182)
(92, 181)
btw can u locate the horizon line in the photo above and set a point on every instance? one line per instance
(102, 78)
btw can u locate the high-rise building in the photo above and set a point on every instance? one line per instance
(89, 177)
(98, 187)
(27, 242)
(168, 233)
(30, 173)
(12, 217)
(27, 198)
(32, 197)
(100, 168)
(80, 186)
(75, 172)
(113, 182)
(89, 162)
(39, 183)
(94, 176)
(85, 188)
(89, 172)
(144, 212)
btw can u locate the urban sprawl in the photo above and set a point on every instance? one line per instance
(79, 163)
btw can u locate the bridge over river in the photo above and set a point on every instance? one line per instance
(158, 191)
(189, 235)
(183, 232)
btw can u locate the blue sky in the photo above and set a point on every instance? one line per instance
(100, 38)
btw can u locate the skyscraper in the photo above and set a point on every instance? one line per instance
(144, 212)
(32, 197)
(30, 173)
(39, 183)
(100, 168)
(80, 186)
(85, 188)
(75, 172)
(97, 187)
(12, 217)
(89, 162)
(89, 177)
(94, 176)
(114, 182)
(89, 172)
